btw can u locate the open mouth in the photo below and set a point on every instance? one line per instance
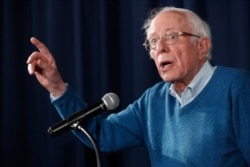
(165, 64)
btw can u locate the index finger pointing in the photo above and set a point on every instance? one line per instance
(40, 46)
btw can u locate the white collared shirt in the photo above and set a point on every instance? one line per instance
(195, 86)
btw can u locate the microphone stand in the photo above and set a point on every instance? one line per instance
(97, 152)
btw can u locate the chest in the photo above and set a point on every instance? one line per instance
(191, 132)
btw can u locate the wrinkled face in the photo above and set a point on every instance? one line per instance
(179, 62)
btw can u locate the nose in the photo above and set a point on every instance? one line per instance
(162, 46)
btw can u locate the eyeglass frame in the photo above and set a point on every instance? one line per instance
(147, 46)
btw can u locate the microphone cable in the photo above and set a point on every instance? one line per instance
(91, 139)
(109, 102)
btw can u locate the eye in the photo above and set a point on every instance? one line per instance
(153, 41)
(171, 37)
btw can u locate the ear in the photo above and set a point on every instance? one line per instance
(204, 46)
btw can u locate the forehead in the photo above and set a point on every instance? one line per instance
(168, 20)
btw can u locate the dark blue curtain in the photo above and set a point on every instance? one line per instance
(98, 48)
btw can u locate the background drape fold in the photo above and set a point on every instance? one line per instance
(98, 48)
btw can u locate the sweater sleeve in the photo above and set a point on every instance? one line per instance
(241, 116)
(115, 131)
(241, 120)
(68, 103)
(112, 132)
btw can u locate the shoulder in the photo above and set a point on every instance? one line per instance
(232, 73)
(153, 97)
(160, 87)
(231, 76)
(158, 90)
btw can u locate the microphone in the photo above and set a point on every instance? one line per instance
(108, 102)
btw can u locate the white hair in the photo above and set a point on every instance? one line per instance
(199, 25)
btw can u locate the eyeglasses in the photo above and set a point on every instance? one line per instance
(170, 38)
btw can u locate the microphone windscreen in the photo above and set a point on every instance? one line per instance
(111, 101)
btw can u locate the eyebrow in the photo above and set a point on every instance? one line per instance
(166, 30)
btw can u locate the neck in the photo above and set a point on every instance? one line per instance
(180, 85)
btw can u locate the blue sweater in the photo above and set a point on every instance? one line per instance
(213, 130)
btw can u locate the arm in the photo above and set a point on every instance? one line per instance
(242, 120)
(112, 133)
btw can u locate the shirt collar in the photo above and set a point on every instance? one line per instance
(196, 85)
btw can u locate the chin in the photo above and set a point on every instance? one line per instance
(167, 76)
(167, 79)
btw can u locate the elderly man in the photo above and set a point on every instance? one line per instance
(199, 115)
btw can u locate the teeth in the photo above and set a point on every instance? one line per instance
(165, 64)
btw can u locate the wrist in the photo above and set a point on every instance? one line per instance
(58, 90)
